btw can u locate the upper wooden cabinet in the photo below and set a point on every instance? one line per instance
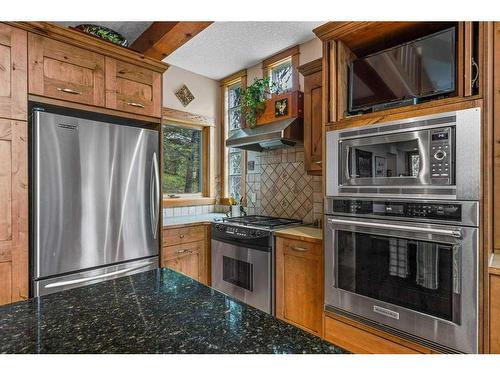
(131, 88)
(13, 72)
(313, 124)
(62, 71)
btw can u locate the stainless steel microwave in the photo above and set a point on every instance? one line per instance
(436, 156)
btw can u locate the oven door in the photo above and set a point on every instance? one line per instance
(243, 273)
(418, 279)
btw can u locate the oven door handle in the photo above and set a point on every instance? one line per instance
(456, 233)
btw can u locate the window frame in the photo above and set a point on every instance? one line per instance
(292, 54)
(241, 78)
(206, 124)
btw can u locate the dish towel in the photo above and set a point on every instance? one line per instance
(427, 265)
(398, 257)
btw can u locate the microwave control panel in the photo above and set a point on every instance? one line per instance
(441, 156)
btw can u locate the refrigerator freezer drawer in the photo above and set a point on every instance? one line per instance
(75, 280)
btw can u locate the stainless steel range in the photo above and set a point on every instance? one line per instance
(243, 258)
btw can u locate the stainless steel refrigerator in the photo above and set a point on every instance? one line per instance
(95, 202)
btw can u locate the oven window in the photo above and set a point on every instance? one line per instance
(414, 274)
(392, 159)
(237, 272)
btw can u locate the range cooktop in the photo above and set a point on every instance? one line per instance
(261, 221)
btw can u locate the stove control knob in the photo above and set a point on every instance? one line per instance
(253, 233)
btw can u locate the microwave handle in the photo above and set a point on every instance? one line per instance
(456, 233)
(347, 158)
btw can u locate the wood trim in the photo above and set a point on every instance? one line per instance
(467, 58)
(89, 108)
(162, 38)
(233, 78)
(181, 202)
(311, 67)
(91, 43)
(188, 118)
(292, 51)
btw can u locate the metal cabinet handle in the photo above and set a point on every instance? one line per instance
(457, 233)
(69, 91)
(318, 162)
(297, 248)
(133, 104)
(181, 236)
(181, 251)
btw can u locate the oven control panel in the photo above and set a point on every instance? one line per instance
(240, 232)
(422, 210)
(441, 156)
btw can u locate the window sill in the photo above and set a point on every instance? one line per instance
(195, 201)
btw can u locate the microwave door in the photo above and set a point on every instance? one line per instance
(386, 160)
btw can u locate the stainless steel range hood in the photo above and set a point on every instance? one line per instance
(288, 132)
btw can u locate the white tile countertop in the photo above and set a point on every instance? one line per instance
(192, 219)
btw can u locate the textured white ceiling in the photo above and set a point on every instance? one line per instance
(226, 47)
(130, 30)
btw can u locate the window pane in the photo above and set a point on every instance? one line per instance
(281, 77)
(234, 95)
(234, 187)
(181, 160)
(235, 163)
(234, 118)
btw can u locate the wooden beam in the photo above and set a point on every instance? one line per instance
(162, 38)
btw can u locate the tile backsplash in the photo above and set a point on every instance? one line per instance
(280, 186)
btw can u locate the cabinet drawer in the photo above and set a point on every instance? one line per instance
(180, 250)
(62, 71)
(358, 341)
(302, 247)
(183, 235)
(131, 88)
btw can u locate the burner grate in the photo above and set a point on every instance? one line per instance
(262, 221)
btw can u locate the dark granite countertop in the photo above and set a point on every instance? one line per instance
(159, 311)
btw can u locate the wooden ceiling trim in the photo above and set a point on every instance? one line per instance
(162, 38)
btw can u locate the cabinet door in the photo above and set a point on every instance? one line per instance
(495, 314)
(188, 264)
(313, 122)
(131, 88)
(13, 73)
(14, 211)
(62, 71)
(299, 284)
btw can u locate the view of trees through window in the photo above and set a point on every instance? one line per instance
(182, 164)
(281, 77)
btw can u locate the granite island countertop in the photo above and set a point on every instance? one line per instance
(158, 311)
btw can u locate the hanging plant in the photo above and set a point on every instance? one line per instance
(253, 100)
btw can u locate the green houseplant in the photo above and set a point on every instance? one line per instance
(253, 100)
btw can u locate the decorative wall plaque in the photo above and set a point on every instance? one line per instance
(281, 107)
(184, 95)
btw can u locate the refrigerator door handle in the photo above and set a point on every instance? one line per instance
(154, 196)
(90, 278)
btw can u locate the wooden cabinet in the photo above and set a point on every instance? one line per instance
(299, 283)
(187, 250)
(495, 313)
(313, 123)
(131, 88)
(62, 71)
(13, 73)
(14, 211)
(359, 341)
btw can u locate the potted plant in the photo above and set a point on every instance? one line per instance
(253, 100)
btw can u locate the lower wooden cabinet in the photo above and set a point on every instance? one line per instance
(299, 283)
(187, 250)
(357, 338)
(13, 211)
(495, 313)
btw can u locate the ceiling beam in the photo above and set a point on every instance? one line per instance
(162, 38)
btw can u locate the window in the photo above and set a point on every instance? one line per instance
(281, 76)
(182, 160)
(188, 168)
(235, 155)
(282, 69)
(233, 160)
